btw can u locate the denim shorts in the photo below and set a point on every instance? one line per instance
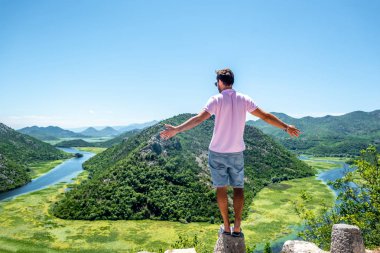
(226, 169)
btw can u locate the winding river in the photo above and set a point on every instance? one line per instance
(64, 172)
(330, 175)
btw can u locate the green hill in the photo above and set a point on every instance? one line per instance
(74, 143)
(328, 135)
(146, 177)
(12, 175)
(17, 151)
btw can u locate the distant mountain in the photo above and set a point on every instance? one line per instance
(137, 126)
(91, 131)
(104, 144)
(329, 135)
(145, 177)
(17, 150)
(120, 129)
(49, 133)
(107, 131)
(118, 139)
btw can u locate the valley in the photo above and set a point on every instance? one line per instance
(27, 224)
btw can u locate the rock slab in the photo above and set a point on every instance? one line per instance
(346, 239)
(191, 250)
(295, 246)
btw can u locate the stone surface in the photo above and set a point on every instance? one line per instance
(294, 246)
(191, 250)
(229, 244)
(346, 239)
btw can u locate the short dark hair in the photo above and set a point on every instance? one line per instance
(226, 76)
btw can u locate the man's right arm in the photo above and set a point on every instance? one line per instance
(170, 130)
(273, 120)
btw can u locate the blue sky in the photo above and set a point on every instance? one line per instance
(79, 63)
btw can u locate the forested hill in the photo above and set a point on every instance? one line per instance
(146, 177)
(328, 135)
(104, 144)
(17, 150)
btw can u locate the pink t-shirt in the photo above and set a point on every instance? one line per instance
(230, 108)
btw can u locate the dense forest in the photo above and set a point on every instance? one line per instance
(17, 150)
(12, 175)
(145, 177)
(341, 135)
(74, 143)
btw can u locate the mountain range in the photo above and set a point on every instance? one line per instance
(54, 133)
(49, 133)
(121, 128)
(103, 144)
(107, 131)
(329, 135)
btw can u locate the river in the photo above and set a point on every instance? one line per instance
(64, 172)
(330, 175)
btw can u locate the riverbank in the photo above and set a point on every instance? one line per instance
(95, 150)
(40, 168)
(37, 169)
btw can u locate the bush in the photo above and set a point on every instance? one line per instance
(358, 204)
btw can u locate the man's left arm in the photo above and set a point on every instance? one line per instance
(171, 131)
(274, 121)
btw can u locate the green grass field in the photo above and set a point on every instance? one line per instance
(39, 168)
(272, 213)
(27, 226)
(90, 139)
(331, 158)
(325, 163)
(95, 150)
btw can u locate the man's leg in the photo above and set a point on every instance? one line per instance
(221, 197)
(238, 207)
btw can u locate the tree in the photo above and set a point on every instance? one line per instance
(358, 203)
(267, 248)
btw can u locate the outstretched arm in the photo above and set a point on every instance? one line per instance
(170, 130)
(273, 120)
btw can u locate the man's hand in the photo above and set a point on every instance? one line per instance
(293, 131)
(169, 132)
(273, 120)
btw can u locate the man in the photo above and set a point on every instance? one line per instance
(225, 157)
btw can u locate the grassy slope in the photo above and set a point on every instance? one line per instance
(273, 216)
(95, 150)
(39, 168)
(90, 140)
(26, 223)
